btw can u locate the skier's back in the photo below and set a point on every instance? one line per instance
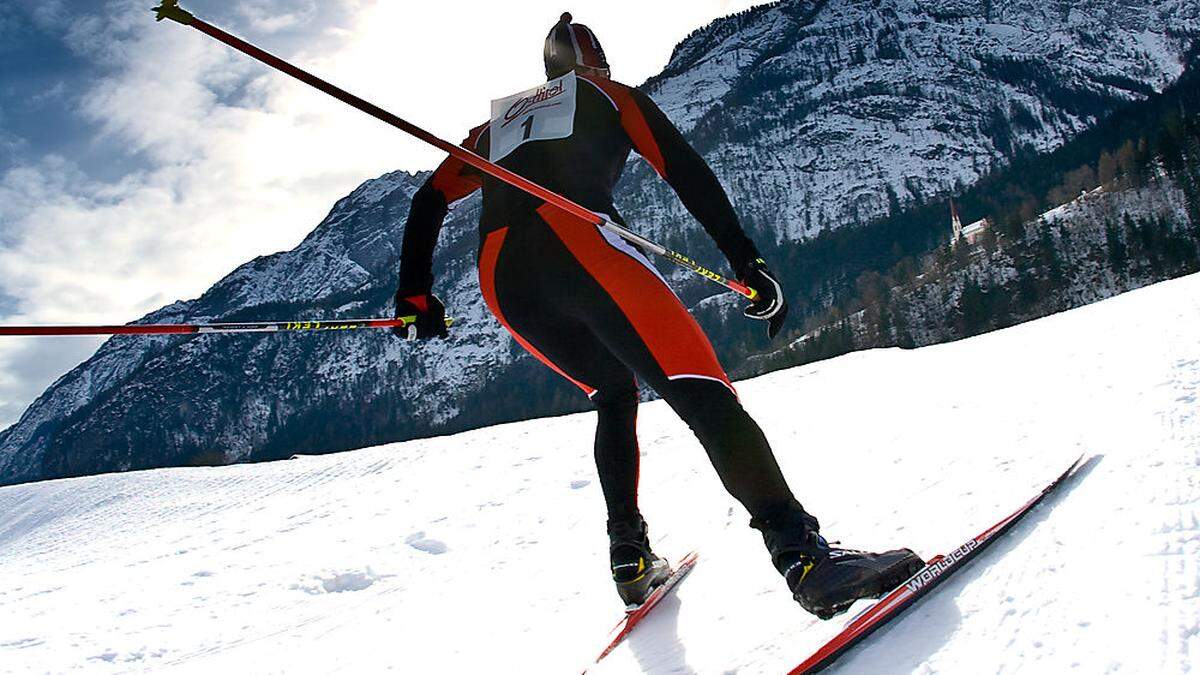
(595, 310)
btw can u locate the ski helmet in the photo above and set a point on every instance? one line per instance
(571, 45)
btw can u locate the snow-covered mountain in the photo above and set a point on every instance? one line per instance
(814, 114)
(830, 113)
(486, 550)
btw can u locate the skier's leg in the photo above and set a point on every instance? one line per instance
(635, 568)
(568, 346)
(637, 317)
(735, 444)
(824, 580)
(521, 303)
(617, 454)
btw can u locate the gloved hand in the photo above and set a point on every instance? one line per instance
(429, 313)
(769, 305)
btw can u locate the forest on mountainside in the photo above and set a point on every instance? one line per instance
(1056, 241)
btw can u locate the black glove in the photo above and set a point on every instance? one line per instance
(769, 305)
(429, 313)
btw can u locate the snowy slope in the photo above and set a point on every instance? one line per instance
(486, 549)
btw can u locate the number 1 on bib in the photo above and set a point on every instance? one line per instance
(544, 113)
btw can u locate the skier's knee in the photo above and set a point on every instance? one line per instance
(616, 399)
(703, 403)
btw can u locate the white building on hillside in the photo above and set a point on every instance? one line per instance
(971, 233)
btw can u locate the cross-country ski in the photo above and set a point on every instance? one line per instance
(635, 614)
(892, 605)
(423, 337)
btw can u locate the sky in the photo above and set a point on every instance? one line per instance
(141, 162)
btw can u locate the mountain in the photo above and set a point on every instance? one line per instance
(815, 115)
(485, 551)
(827, 114)
(1114, 209)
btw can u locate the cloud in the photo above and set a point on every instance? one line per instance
(11, 145)
(232, 164)
(273, 17)
(25, 361)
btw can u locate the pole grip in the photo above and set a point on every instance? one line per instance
(170, 9)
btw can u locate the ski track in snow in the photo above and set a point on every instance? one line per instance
(487, 549)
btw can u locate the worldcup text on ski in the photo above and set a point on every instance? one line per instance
(929, 573)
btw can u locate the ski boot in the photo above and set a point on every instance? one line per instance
(635, 569)
(827, 580)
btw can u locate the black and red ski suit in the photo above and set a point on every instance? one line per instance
(589, 305)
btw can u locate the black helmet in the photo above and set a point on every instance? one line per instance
(571, 45)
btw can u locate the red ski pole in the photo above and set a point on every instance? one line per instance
(210, 328)
(170, 9)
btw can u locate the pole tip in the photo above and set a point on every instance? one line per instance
(170, 9)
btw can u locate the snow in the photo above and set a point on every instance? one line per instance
(487, 550)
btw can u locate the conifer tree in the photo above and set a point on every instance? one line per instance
(1117, 256)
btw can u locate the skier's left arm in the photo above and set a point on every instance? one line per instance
(453, 180)
(658, 140)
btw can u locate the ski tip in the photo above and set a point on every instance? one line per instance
(1082, 466)
(1081, 462)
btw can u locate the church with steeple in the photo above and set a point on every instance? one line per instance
(970, 233)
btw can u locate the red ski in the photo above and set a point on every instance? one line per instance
(933, 574)
(633, 617)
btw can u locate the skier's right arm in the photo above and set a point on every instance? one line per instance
(453, 180)
(656, 139)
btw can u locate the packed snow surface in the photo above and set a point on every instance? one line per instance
(486, 550)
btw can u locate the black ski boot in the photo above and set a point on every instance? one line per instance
(635, 568)
(826, 580)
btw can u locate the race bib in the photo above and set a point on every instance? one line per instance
(544, 113)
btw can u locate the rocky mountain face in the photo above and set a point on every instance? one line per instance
(815, 115)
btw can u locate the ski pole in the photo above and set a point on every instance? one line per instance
(211, 328)
(170, 9)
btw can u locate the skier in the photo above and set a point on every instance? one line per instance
(595, 310)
